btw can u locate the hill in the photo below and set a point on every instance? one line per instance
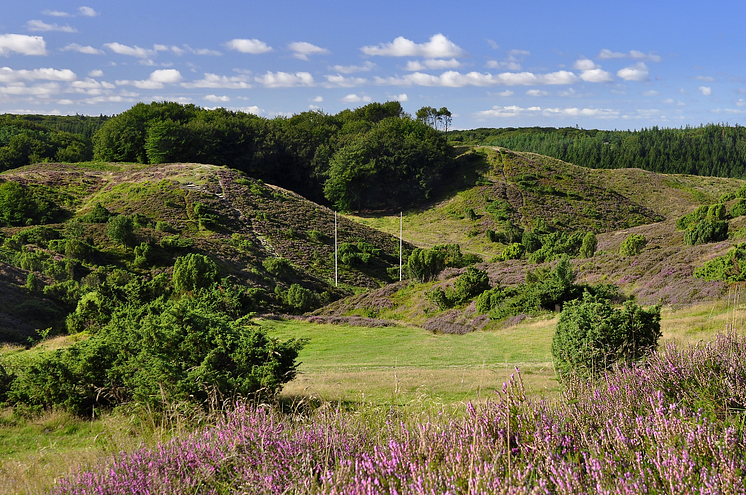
(261, 237)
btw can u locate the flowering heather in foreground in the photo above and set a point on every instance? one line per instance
(672, 425)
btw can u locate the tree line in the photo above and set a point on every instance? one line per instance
(717, 150)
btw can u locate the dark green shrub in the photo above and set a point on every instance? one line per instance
(512, 252)
(470, 214)
(300, 299)
(717, 211)
(143, 253)
(18, 206)
(163, 226)
(99, 214)
(158, 354)
(707, 230)
(356, 254)
(469, 284)
(739, 209)
(684, 222)
(439, 297)
(121, 229)
(633, 245)
(500, 210)
(489, 299)
(493, 236)
(590, 242)
(316, 236)
(173, 242)
(531, 241)
(424, 265)
(277, 266)
(729, 268)
(193, 272)
(591, 335)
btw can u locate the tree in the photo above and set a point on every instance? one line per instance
(590, 242)
(633, 245)
(424, 265)
(591, 335)
(121, 229)
(193, 272)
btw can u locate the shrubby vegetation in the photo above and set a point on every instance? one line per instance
(633, 245)
(424, 265)
(591, 336)
(729, 268)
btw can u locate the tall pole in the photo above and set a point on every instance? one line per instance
(401, 229)
(336, 279)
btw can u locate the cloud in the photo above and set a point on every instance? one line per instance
(90, 87)
(705, 78)
(217, 99)
(8, 75)
(96, 73)
(651, 92)
(353, 98)
(132, 51)
(20, 43)
(432, 63)
(340, 81)
(253, 46)
(303, 49)
(705, 90)
(438, 47)
(596, 76)
(454, 79)
(584, 64)
(156, 80)
(637, 55)
(492, 44)
(252, 109)
(637, 72)
(515, 111)
(285, 79)
(166, 76)
(350, 69)
(87, 12)
(55, 13)
(318, 99)
(44, 90)
(214, 81)
(511, 65)
(89, 50)
(41, 26)
(507, 92)
(402, 97)
(536, 92)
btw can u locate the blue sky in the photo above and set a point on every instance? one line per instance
(607, 65)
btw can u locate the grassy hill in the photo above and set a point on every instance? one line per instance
(260, 236)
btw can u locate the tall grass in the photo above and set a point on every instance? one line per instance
(674, 424)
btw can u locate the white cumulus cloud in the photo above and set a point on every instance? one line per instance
(536, 92)
(214, 81)
(432, 63)
(340, 81)
(87, 12)
(41, 26)
(89, 50)
(253, 46)
(285, 79)
(132, 51)
(351, 69)
(20, 43)
(8, 75)
(455, 79)
(438, 47)
(635, 54)
(637, 72)
(217, 99)
(705, 90)
(166, 76)
(303, 49)
(596, 75)
(353, 98)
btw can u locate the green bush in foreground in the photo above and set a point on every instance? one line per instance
(708, 230)
(591, 335)
(156, 354)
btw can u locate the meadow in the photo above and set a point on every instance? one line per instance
(369, 379)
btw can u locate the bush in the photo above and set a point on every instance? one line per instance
(591, 335)
(193, 272)
(300, 299)
(531, 241)
(99, 214)
(121, 229)
(470, 214)
(590, 242)
(469, 284)
(633, 245)
(739, 209)
(158, 354)
(729, 268)
(18, 206)
(424, 265)
(276, 266)
(716, 211)
(512, 252)
(707, 230)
